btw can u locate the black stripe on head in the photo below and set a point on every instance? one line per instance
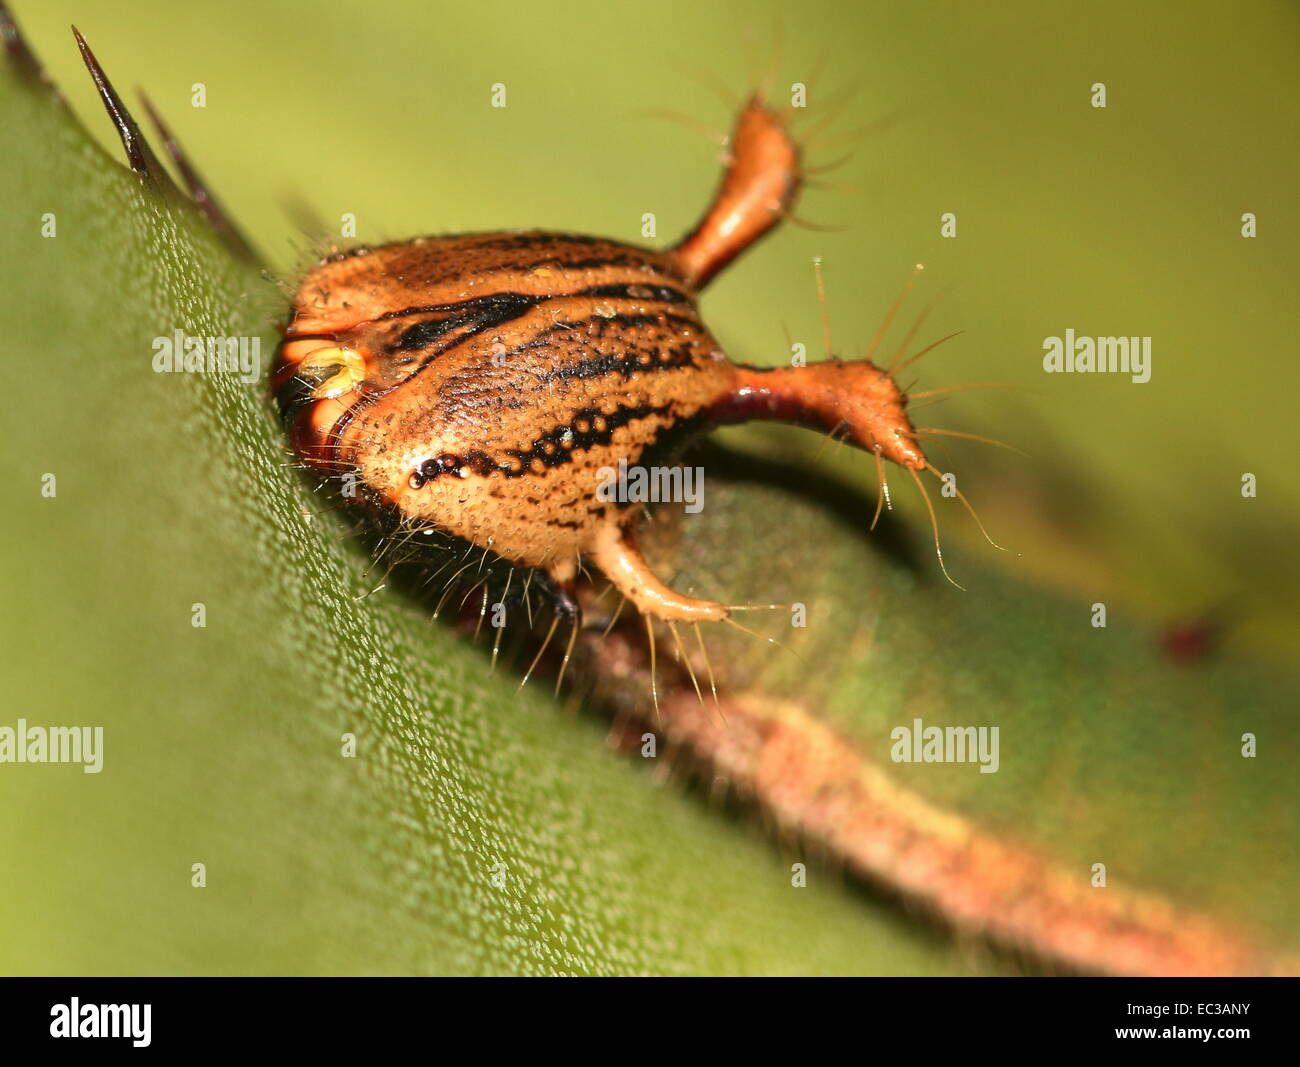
(567, 439)
(637, 291)
(480, 313)
(554, 448)
(625, 365)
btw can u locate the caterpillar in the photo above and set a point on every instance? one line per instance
(477, 385)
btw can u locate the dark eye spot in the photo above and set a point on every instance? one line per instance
(432, 468)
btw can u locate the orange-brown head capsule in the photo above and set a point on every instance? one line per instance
(479, 384)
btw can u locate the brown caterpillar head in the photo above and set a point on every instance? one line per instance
(478, 384)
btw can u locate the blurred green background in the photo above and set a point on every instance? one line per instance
(1117, 221)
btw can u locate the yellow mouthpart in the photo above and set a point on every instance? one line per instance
(351, 371)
